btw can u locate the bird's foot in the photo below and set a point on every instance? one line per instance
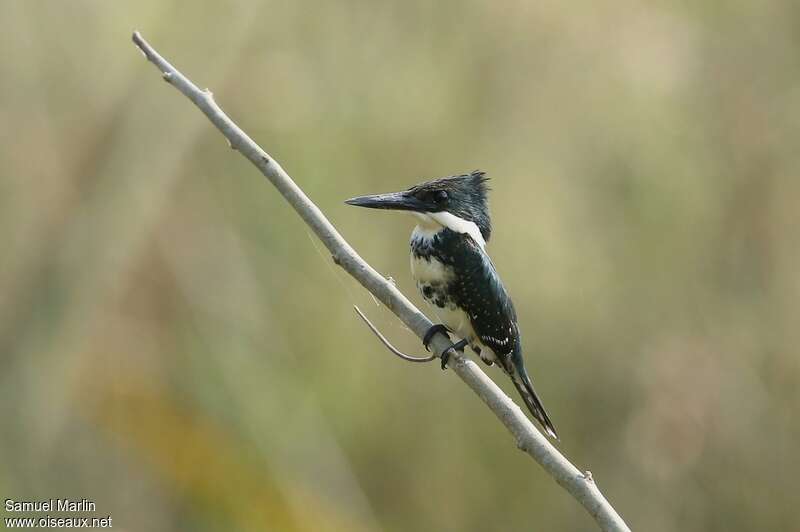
(426, 340)
(439, 328)
(458, 346)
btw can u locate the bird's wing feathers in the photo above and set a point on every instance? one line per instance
(480, 292)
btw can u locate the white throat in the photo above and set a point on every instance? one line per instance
(432, 222)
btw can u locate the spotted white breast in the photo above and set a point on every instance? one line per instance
(432, 278)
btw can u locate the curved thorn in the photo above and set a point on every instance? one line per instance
(388, 345)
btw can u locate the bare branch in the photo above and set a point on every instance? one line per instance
(528, 438)
(388, 344)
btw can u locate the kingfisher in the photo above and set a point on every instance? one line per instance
(457, 278)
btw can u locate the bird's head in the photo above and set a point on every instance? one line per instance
(458, 202)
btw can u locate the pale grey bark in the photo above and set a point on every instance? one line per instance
(528, 438)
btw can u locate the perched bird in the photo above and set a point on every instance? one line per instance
(457, 278)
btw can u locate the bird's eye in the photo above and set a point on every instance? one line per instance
(440, 196)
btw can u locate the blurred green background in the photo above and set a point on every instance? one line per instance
(177, 347)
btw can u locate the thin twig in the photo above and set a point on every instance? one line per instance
(388, 344)
(528, 439)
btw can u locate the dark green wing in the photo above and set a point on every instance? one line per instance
(478, 290)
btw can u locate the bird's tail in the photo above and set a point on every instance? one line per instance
(519, 376)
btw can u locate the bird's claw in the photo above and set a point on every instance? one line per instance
(458, 346)
(426, 340)
(439, 328)
(445, 357)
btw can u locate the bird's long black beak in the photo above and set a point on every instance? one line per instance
(397, 201)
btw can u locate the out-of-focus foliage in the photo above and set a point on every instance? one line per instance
(176, 346)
